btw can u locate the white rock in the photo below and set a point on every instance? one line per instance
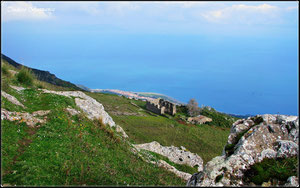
(90, 106)
(292, 182)
(17, 88)
(72, 111)
(174, 154)
(165, 165)
(259, 142)
(12, 99)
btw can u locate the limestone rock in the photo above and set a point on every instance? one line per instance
(165, 165)
(72, 111)
(90, 106)
(28, 118)
(17, 88)
(257, 138)
(13, 72)
(292, 182)
(12, 99)
(286, 148)
(174, 154)
(120, 130)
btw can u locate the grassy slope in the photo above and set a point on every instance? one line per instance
(207, 141)
(62, 152)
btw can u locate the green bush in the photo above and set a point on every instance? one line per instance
(272, 170)
(4, 70)
(218, 119)
(25, 76)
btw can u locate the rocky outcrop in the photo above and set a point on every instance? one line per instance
(250, 141)
(12, 99)
(165, 165)
(149, 158)
(72, 111)
(30, 119)
(17, 88)
(90, 106)
(292, 181)
(174, 154)
(119, 129)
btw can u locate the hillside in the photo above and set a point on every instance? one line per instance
(53, 135)
(42, 75)
(144, 126)
(47, 139)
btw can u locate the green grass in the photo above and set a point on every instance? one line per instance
(74, 150)
(205, 140)
(25, 76)
(272, 170)
(62, 152)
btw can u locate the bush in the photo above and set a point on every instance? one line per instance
(272, 170)
(25, 76)
(4, 69)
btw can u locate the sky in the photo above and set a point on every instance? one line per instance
(237, 57)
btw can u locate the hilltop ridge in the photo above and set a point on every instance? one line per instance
(42, 75)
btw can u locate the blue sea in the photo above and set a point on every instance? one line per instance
(232, 75)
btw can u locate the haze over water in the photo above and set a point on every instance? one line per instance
(237, 57)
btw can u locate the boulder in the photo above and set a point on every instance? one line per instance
(254, 139)
(11, 99)
(174, 154)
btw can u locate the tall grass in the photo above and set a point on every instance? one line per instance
(4, 69)
(25, 76)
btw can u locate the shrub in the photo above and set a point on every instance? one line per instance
(4, 85)
(4, 69)
(272, 169)
(25, 76)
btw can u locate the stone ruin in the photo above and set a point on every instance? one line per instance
(160, 106)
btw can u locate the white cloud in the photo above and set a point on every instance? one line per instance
(292, 8)
(247, 14)
(21, 10)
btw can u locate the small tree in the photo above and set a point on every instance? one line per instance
(193, 108)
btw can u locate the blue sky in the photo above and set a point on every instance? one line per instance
(238, 57)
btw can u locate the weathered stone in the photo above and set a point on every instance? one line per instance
(28, 118)
(174, 154)
(12, 99)
(90, 106)
(286, 148)
(17, 88)
(292, 182)
(165, 165)
(13, 72)
(267, 139)
(72, 111)
(120, 130)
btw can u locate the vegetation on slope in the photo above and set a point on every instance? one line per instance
(218, 119)
(43, 76)
(68, 150)
(205, 140)
(277, 171)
